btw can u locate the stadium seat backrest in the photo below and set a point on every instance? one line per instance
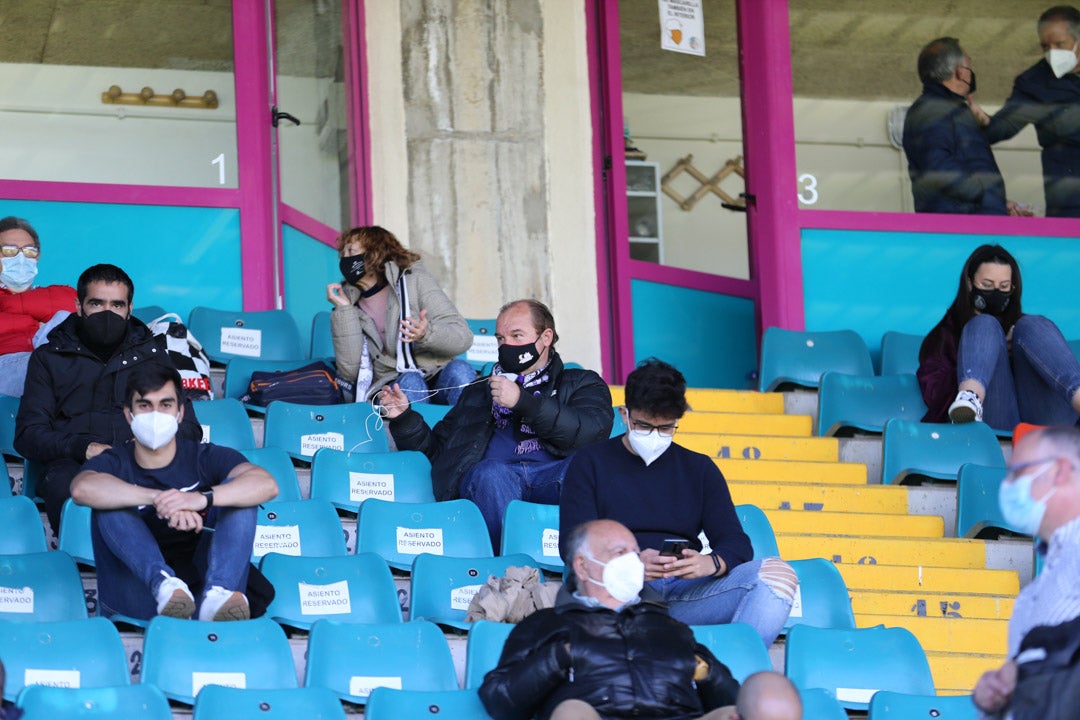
(181, 656)
(348, 479)
(866, 402)
(148, 313)
(887, 705)
(485, 645)
(484, 352)
(533, 529)
(350, 588)
(432, 413)
(352, 659)
(9, 409)
(900, 353)
(822, 599)
(75, 532)
(264, 334)
(322, 341)
(757, 526)
(737, 645)
(442, 586)
(389, 704)
(116, 702)
(301, 430)
(618, 427)
(791, 357)
(401, 531)
(41, 587)
(75, 653)
(818, 704)
(278, 463)
(238, 374)
(854, 664)
(977, 508)
(225, 422)
(22, 528)
(217, 702)
(936, 450)
(298, 527)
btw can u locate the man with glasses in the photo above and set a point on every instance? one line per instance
(27, 313)
(1040, 496)
(667, 496)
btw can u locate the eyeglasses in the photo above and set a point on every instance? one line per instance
(640, 427)
(10, 251)
(1013, 470)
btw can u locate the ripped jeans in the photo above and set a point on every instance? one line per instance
(758, 593)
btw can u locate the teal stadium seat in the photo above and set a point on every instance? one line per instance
(352, 659)
(82, 653)
(757, 526)
(117, 702)
(238, 376)
(225, 422)
(533, 529)
(389, 704)
(9, 409)
(854, 664)
(1074, 345)
(900, 353)
(978, 514)
(300, 430)
(264, 334)
(181, 656)
(349, 588)
(75, 533)
(299, 527)
(398, 532)
(822, 599)
(23, 531)
(887, 705)
(442, 587)
(322, 341)
(41, 587)
(866, 402)
(431, 412)
(618, 427)
(484, 352)
(484, 648)
(217, 702)
(148, 313)
(818, 704)
(794, 358)
(936, 450)
(737, 645)
(278, 463)
(349, 480)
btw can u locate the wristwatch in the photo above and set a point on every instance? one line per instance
(209, 495)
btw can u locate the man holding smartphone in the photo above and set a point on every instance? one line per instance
(667, 496)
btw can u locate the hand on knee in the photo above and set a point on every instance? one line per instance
(779, 577)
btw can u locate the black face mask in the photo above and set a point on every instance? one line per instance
(352, 268)
(971, 85)
(991, 302)
(102, 330)
(515, 358)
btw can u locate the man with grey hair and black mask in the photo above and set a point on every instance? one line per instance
(608, 649)
(949, 160)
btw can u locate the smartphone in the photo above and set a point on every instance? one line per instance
(674, 547)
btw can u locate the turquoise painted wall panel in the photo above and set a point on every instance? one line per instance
(872, 281)
(309, 266)
(178, 257)
(709, 337)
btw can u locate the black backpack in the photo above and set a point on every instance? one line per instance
(312, 384)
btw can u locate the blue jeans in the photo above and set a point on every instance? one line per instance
(130, 561)
(1036, 386)
(739, 596)
(446, 384)
(492, 484)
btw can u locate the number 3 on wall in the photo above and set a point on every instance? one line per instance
(808, 194)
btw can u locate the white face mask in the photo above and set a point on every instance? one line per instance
(1062, 61)
(623, 577)
(650, 446)
(18, 272)
(1020, 509)
(154, 429)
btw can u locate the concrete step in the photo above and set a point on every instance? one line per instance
(773, 495)
(856, 524)
(793, 471)
(746, 424)
(956, 635)
(908, 578)
(756, 447)
(712, 400)
(940, 552)
(937, 604)
(957, 673)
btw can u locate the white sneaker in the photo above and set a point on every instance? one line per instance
(966, 408)
(221, 604)
(174, 599)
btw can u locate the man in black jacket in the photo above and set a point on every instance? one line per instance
(72, 404)
(510, 435)
(604, 650)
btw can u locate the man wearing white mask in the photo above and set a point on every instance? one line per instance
(608, 649)
(668, 495)
(1047, 95)
(152, 499)
(1039, 496)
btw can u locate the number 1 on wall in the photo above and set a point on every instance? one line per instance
(220, 162)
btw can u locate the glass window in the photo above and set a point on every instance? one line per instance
(123, 91)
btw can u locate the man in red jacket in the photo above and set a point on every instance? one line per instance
(26, 313)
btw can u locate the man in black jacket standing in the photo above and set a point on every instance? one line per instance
(606, 649)
(509, 436)
(72, 404)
